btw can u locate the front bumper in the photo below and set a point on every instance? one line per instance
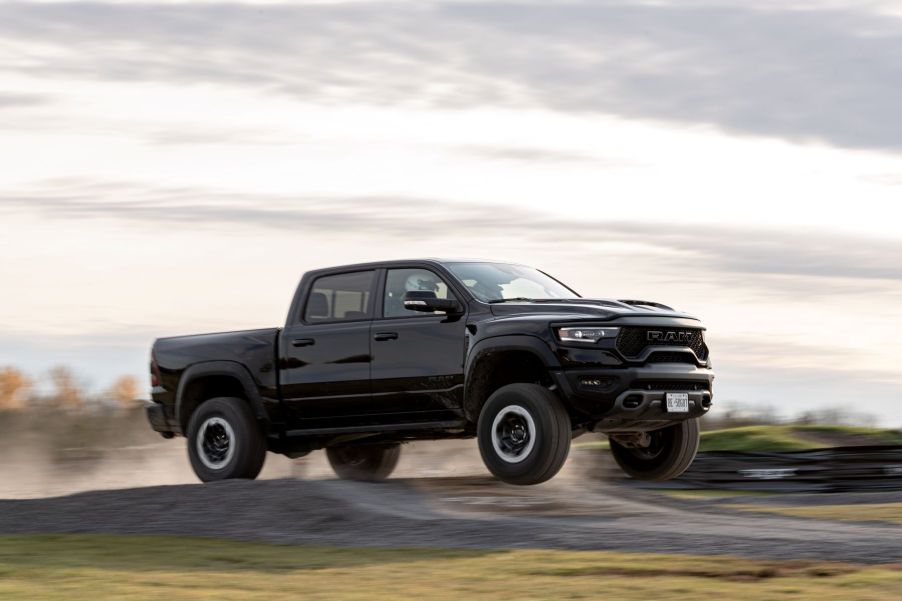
(633, 399)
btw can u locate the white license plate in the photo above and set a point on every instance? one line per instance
(677, 402)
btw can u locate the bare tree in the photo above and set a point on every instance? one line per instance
(14, 386)
(66, 390)
(125, 390)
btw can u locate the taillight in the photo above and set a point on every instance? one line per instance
(154, 371)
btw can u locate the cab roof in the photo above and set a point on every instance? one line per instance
(403, 262)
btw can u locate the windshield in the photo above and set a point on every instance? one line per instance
(499, 281)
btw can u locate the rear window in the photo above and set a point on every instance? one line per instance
(342, 297)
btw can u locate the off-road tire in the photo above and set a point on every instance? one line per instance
(234, 418)
(671, 453)
(518, 407)
(367, 463)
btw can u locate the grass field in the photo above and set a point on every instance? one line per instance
(67, 567)
(884, 512)
(795, 438)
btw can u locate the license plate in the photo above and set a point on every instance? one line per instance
(677, 402)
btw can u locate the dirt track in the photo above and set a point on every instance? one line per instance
(467, 510)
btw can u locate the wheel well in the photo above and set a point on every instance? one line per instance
(495, 369)
(204, 388)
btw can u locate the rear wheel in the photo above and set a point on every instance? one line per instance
(524, 434)
(369, 463)
(224, 440)
(663, 455)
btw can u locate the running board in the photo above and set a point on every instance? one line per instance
(443, 425)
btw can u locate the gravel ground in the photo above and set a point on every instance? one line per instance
(573, 511)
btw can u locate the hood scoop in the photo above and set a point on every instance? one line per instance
(649, 304)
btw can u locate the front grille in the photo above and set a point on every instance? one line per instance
(662, 357)
(670, 386)
(633, 340)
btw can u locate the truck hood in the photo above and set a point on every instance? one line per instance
(591, 308)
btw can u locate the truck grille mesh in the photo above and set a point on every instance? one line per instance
(661, 357)
(633, 340)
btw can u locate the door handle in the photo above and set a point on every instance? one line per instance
(303, 342)
(382, 336)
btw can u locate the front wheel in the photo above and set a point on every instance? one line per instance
(663, 455)
(369, 463)
(524, 434)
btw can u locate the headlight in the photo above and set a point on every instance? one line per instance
(586, 334)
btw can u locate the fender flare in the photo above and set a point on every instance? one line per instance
(230, 369)
(507, 342)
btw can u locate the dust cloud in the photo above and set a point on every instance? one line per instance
(55, 452)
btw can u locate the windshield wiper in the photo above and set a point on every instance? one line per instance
(508, 300)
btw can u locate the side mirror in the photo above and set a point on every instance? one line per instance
(426, 302)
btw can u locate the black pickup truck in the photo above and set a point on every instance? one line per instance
(376, 354)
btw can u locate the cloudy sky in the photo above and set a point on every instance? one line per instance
(173, 167)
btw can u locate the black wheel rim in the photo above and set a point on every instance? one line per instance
(215, 443)
(513, 434)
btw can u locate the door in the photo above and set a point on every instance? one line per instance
(325, 356)
(417, 357)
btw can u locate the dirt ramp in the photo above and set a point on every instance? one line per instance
(465, 512)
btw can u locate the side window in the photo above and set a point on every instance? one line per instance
(341, 297)
(401, 281)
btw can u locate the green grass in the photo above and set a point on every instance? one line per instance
(794, 437)
(99, 568)
(877, 436)
(754, 438)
